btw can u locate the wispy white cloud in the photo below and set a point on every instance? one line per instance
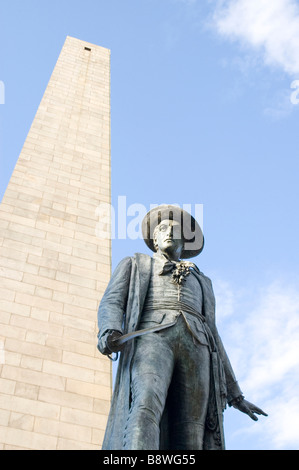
(262, 339)
(271, 27)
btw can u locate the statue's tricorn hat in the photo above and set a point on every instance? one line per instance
(192, 233)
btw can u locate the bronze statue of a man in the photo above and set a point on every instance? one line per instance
(174, 378)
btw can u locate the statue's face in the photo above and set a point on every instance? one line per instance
(169, 238)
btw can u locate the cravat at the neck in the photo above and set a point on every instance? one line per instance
(180, 270)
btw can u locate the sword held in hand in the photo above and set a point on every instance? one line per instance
(115, 340)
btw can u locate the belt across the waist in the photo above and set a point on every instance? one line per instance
(173, 305)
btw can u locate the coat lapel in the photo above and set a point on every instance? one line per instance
(143, 275)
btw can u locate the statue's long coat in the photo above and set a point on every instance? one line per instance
(120, 309)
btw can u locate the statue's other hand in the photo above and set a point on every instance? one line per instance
(106, 342)
(112, 341)
(248, 408)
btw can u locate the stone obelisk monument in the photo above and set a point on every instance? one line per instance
(55, 387)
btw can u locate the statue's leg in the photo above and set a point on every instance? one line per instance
(150, 378)
(189, 392)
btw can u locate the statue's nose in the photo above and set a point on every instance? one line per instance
(170, 231)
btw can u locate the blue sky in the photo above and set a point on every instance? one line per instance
(202, 112)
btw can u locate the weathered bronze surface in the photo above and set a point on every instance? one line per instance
(174, 377)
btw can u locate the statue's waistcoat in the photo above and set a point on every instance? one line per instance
(166, 300)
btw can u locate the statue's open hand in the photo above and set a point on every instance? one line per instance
(248, 408)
